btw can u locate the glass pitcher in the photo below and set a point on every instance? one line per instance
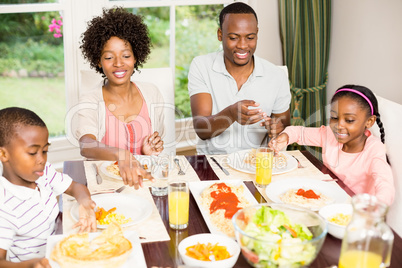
(368, 239)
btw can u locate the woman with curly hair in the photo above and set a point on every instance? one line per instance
(119, 118)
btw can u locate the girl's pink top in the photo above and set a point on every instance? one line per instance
(363, 172)
(129, 136)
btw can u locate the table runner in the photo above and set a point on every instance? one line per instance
(309, 171)
(152, 228)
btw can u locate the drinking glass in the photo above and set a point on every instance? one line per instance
(179, 202)
(263, 164)
(160, 171)
(368, 239)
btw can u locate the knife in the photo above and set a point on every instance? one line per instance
(98, 177)
(224, 170)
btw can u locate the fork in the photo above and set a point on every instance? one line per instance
(181, 172)
(108, 191)
(119, 190)
(299, 165)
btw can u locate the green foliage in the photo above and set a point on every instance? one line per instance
(44, 96)
(25, 42)
(6, 63)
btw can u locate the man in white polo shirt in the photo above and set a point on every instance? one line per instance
(237, 97)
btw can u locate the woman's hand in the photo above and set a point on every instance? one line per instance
(131, 171)
(279, 142)
(153, 144)
(87, 220)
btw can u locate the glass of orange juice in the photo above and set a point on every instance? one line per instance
(263, 163)
(179, 201)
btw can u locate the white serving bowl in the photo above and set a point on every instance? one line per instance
(222, 240)
(329, 211)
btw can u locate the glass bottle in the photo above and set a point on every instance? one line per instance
(368, 239)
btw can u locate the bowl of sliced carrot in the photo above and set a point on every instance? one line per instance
(209, 250)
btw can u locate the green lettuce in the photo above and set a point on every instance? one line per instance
(271, 225)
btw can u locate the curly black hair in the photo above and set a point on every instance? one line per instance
(120, 23)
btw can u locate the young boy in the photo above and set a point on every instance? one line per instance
(28, 189)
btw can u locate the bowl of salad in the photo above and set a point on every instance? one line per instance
(279, 235)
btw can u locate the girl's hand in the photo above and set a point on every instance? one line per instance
(132, 172)
(153, 144)
(279, 142)
(87, 221)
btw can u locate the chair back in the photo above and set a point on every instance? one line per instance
(389, 112)
(162, 78)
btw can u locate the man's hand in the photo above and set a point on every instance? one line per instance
(241, 113)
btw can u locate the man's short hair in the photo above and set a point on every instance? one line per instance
(12, 117)
(235, 8)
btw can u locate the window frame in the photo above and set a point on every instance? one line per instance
(75, 16)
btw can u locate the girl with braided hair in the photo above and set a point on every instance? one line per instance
(349, 150)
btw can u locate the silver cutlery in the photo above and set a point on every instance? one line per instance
(107, 191)
(223, 169)
(98, 177)
(299, 165)
(181, 172)
(330, 180)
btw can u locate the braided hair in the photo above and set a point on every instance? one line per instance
(363, 103)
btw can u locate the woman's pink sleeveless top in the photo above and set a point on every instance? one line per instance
(129, 136)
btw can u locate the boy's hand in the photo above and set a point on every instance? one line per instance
(153, 144)
(87, 221)
(42, 263)
(279, 142)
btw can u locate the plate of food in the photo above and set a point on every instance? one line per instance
(304, 192)
(110, 248)
(124, 209)
(244, 161)
(212, 199)
(111, 168)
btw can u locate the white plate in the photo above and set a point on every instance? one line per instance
(196, 189)
(136, 257)
(275, 189)
(236, 161)
(131, 206)
(143, 159)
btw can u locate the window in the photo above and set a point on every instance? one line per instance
(180, 30)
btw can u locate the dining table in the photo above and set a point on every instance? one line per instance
(165, 253)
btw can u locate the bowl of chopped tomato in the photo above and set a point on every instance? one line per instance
(209, 250)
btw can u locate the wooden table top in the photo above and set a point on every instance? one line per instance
(165, 254)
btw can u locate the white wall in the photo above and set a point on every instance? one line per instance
(269, 45)
(366, 43)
